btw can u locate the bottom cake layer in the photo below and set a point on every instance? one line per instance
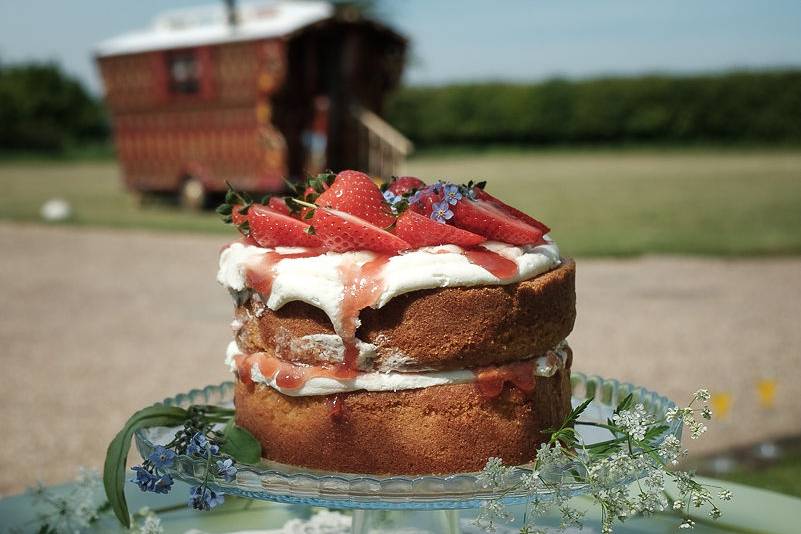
(434, 430)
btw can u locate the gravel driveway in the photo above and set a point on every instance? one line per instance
(98, 323)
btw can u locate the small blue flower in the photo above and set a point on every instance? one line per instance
(163, 484)
(226, 469)
(391, 197)
(415, 198)
(441, 211)
(144, 478)
(452, 194)
(204, 498)
(199, 444)
(162, 457)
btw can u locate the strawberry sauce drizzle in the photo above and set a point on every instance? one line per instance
(336, 407)
(287, 375)
(500, 267)
(363, 285)
(490, 380)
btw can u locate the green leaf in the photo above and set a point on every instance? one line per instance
(240, 444)
(114, 468)
(577, 411)
(224, 209)
(625, 404)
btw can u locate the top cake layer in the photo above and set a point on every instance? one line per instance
(345, 249)
(327, 280)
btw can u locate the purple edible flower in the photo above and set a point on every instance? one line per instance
(204, 498)
(161, 457)
(144, 478)
(198, 445)
(163, 484)
(441, 212)
(452, 194)
(391, 197)
(226, 469)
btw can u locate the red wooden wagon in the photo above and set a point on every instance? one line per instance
(251, 95)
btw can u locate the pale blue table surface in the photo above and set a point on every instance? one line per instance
(752, 510)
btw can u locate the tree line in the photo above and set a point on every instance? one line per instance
(43, 109)
(760, 107)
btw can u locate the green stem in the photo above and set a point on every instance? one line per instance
(171, 508)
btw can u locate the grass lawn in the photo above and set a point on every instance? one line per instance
(600, 202)
(784, 476)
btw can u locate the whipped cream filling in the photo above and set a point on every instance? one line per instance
(545, 366)
(317, 280)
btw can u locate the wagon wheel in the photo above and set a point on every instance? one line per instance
(193, 195)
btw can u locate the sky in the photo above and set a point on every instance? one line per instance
(470, 40)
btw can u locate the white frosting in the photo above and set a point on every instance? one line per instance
(328, 347)
(317, 280)
(545, 366)
(230, 353)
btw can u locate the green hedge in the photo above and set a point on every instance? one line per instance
(43, 109)
(744, 106)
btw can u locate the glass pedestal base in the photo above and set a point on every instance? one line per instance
(406, 521)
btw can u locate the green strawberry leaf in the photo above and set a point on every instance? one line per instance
(240, 444)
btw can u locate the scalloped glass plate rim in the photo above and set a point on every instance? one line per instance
(297, 485)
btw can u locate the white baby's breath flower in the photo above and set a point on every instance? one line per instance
(725, 495)
(687, 523)
(714, 513)
(670, 450)
(706, 412)
(696, 429)
(635, 421)
(531, 481)
(494, 474)
(678, 505)
(702, 395)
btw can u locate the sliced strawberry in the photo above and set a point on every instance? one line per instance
(272, 229)
(514, 212)
(340, 231)
(278, 204)
(355, 193)
(404, 184)
(484, 218)
(420, 231)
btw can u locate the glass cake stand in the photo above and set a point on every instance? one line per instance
(428, 502)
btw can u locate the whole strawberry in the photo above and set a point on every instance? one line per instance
(355, 193)
(405, 184)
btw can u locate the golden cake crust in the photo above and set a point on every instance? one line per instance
(440, 429)
(446, 328)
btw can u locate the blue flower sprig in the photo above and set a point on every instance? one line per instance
(199, 437)
(442, 211)
(151, 475)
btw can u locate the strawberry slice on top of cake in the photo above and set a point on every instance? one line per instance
(411, 329)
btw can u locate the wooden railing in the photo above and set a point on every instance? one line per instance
(382, 148)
